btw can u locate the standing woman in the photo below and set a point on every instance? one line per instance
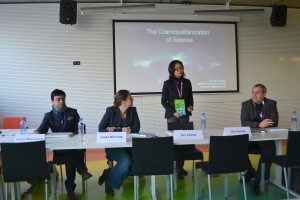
(119, 117)
(177, 90)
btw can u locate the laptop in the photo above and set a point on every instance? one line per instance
(181, 126)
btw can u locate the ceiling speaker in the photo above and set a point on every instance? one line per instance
(68, 12)
(278, 16)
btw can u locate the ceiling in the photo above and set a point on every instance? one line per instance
(256, 3)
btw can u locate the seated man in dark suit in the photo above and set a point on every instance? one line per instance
(64, 119)
(259, 112)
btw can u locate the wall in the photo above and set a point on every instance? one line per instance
(37, 54)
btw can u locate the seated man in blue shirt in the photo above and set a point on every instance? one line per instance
(64, 119)
(259, 112)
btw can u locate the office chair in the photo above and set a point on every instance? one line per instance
(24, 162)
(184, 152)
(152, 156)
(291, 159)
(1, 185)
(227, 154)
(12, 122)
(110, 162)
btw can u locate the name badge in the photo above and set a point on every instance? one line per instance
(111, 137)
(29, 137)
(236, 131)
(180, 135)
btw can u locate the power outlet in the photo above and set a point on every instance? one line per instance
(76, 62)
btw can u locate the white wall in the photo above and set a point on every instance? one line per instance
(37, 54)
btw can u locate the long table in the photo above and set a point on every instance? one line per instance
(90, 142)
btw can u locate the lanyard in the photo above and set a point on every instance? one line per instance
(181, 89)
(261, 111)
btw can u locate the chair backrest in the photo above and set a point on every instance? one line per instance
(293, 149)
(24, 161)
(181, 126)
(152, 156)
(228, 154)
(11, 122)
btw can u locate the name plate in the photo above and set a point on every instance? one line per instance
(236, 131)
(180, 135)
(29, 137)
(111, 137)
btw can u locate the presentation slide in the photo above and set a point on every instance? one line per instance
(144, 49)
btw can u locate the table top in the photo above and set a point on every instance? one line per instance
(90, 141)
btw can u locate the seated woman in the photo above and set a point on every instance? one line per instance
(119, 117)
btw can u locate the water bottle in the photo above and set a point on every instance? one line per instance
(81, 130)
(203, 123)
(23, 126)
(294, 122)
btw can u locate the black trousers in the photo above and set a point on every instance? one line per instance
(265, 149)
(74, 161)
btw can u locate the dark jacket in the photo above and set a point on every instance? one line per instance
(112, 118)
(70, 119)
(170, 93)
(250, 116)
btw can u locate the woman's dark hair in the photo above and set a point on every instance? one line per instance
(121, 95)
(171, 68)
(57, 92)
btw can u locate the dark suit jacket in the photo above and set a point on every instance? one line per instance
(70, 121)
(112, 118)
(170, 93)
(250, 117)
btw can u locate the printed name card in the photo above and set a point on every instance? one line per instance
(180, 135)
(29, 137)
(111, 137)
(236, 131)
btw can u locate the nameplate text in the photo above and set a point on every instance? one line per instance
(29, 137)
(236, 131)
(180, 135)
(111, 137)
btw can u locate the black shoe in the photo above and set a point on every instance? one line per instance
(86, 175)
(104, 176)
(250, 174)
(183, 172)
(254, 188)
(179, 175)
(71, 196)
(108, 190)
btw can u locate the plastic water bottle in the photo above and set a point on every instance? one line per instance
(203, 123)
(23, 126)
(294, 122)
(81, 130)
